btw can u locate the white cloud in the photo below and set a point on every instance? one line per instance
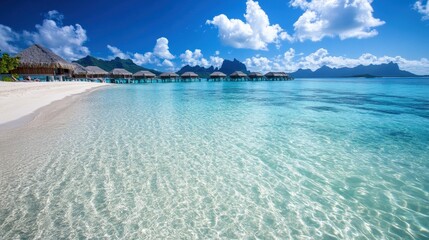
(161, 49)
(256, 33)
(158, 56)
(422, 8)
(196, 58)
(168, 63)
(117, 53)
(216, 61)
(66, 41)
(7, 37)
(330, 18)
(147, 58)
(289, 62)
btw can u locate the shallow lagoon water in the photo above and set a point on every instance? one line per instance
(304, 159)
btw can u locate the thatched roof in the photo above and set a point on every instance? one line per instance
(238, 74)
(276, 75)
(168, 75)
(79, 69)
(144, 74)
(256, 75)
(189, 75)
(120, 72)
(217, 75)
(94, 70)
(38, 56)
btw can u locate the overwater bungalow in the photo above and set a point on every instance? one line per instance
(189, 76)
(144, 76)
(79, 72)
(217, 76)
(238, 76)
(41, 63)
(168, 77)
(95, 73)
(256, 76)
(120, 75)
(277, 76)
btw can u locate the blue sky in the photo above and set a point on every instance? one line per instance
(267, 35)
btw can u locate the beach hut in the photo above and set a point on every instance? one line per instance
(143, 76)
(277, 76)
(217, 76)
(95, 73)
(238, 76)
(168, 76)
(256, 76)
(120, 75)
(40, 61)
(79, 72)
(189, 76)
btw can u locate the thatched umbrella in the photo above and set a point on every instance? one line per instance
(120, 73)
(96, 72)
(168, 75)
(189, 75)
(217, 75)
(38, 60)
(277, 76)
(238, 74)
(143, 74)
(79, 71)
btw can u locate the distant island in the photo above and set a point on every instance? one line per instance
(371, 71)
(383, 70)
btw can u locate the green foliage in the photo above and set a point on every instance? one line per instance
(8, 79)
(8, 63)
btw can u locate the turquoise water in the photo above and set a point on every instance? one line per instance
(304, 159)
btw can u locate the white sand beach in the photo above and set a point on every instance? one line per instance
(18, 99)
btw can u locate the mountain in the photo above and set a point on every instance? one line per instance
(383, 70)
(227, 67)
(108, 65)
(201, 71)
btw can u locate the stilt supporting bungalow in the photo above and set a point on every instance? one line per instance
(277, 76)
(120, 75)
(143, 76)
(256, 76)
(238, 76)
(217, 76)
(168, 77)
(189, 77)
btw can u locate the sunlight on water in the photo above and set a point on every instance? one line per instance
(309, 159)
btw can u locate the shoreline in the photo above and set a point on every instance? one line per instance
(21, 103)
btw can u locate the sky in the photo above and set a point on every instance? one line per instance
(266, 35)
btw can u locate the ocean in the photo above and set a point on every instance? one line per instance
(302, 159)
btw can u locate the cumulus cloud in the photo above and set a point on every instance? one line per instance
(7, 38)
(66, 41)
(161, 49)
(196, 58)
(160, 55)
(147, 58)
(422, 8)
(342, 18)
(290, 62)
(256, 33)
(117, 53)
